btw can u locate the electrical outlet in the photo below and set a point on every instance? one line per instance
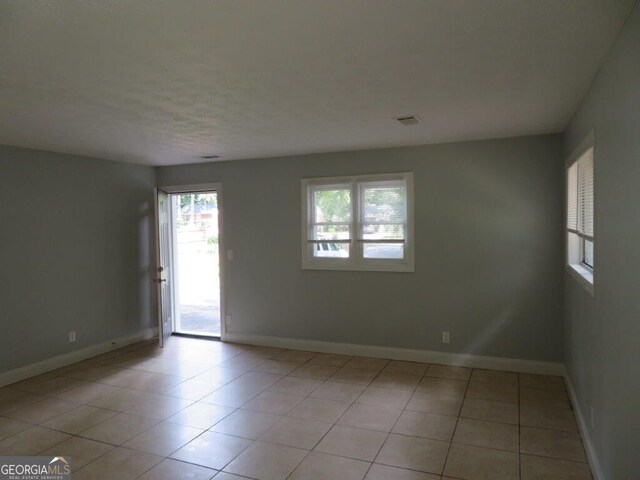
(446, 337)
(229, 254)
(72, 336)
(227, 321)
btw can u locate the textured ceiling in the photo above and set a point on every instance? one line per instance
(166, 82)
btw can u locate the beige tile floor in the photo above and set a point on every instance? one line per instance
(201, 409)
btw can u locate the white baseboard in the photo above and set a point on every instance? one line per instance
(427, 356)
(65, 359)
(594, 463)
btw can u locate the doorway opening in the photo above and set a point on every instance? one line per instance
(195, 246)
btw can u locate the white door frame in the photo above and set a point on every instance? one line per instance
(159, 270)
(209, 187)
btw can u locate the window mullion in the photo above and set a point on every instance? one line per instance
(311, 214)
(355, 222)
(311, 210)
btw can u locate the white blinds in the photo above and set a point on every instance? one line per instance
(330, 217)
(580, 196)
(383, 210)
(572, 197)
(585, 190)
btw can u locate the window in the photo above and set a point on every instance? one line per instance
(580, 218)
(358, 223)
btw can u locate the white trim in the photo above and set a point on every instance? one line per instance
(583, 275)
(394, 353)
(75, 356)
(222, 262)
(574, 247)
(222, 253)
(191, 188)
(587, 142)
(175, 274)
(157, 271)
(356, 262)
(592, 457)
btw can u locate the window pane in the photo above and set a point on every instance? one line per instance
(330, 250)
(330, 232)
(382, 232)
(572, 197)
(588, 253)
(332, 205)
(585, 193)
(385, 202)
(383, 250)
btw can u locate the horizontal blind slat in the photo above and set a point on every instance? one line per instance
(572, 197)
(383, 211)
(585, 193)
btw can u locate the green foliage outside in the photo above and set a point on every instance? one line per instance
(208, 200)
(189, 203)
(382, 204)
(333, 205)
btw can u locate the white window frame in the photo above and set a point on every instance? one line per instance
(575, 265)
(356, 260)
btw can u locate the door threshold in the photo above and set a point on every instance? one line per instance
(195, 335)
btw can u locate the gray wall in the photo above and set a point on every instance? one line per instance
(602, 347)
(75, 243)
(488, 226)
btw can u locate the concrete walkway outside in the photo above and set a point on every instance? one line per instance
(198, 288)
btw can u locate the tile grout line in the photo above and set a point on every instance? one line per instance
(209, 429)
(252, 369)
(337, 420)
(464, 396)
(519, 432)
(240, 407)
(397, 419)
(78, 435)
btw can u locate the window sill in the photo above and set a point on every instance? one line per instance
(359, 267)
(583, 276)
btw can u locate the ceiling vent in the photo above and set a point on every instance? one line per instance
(409, 120)
(210, 157)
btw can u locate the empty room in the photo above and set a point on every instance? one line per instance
(320, 240)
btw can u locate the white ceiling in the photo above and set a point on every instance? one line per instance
(166, 82)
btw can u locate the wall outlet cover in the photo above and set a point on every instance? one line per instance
(446, 337)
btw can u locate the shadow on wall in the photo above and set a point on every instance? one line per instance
(491, 330)
(146, 267)
(502, 257)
